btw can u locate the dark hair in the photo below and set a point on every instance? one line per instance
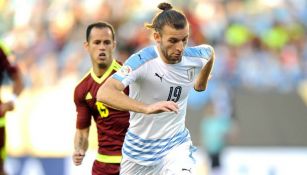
(169, 17)
(99, 25)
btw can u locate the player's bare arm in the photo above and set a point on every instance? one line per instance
(81, 145)
(18, 85)
(110, 93)
(204, 75)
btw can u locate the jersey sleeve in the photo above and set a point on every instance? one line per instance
(204, 51)
(134, 66)
(83, 110)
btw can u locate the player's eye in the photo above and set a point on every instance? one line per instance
(97, 42)
(173, 41)
(107, 42)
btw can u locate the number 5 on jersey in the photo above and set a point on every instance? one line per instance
(102, 109)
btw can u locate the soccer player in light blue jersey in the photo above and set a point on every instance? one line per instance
(160, 78)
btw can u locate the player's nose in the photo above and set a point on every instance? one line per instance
(180, 46)
(102, 46)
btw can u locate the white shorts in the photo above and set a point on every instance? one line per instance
(179, 161)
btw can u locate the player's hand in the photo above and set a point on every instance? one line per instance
(162, 106)
(78, 157)
(7, 106)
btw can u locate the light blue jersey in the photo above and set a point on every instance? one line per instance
(151, 137)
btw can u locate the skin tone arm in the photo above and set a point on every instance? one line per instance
(110, 93)
(17, 89)
(81, 145)
(18, 83)
(204, 75)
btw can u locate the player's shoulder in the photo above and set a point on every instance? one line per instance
(83, 81)
(4, 48)
(116, 65)
(141, 57)
(202, 51)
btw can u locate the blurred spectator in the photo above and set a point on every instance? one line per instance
(216, 131)
(56, 27)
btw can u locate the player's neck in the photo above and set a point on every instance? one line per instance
(98, 71)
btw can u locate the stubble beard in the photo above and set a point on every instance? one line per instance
(102, 65)
(165, 55)
(169, 58)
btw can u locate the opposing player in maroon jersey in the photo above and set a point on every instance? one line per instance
(111, 124)
(15, 75)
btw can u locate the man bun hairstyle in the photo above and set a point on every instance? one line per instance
(165, 6)
(168, 16)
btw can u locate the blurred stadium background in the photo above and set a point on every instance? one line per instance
(259, 80)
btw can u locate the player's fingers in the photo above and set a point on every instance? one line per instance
(82, 153)
(165, 109)
(79, 153)
(78, 156)
(77, 159)
(173, 106)
(163, 106)
(173, 103)
(77, 163)
(169, 107)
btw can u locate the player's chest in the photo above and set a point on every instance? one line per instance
(90, 95)
(169, 84)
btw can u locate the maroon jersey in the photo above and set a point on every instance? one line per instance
(11, 70)
(5, 66)
(111, 124)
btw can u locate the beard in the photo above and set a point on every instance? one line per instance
(102, 65)
(171, 59)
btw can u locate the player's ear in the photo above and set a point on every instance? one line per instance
(85, 45)
(157, 37)
(114, 44)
